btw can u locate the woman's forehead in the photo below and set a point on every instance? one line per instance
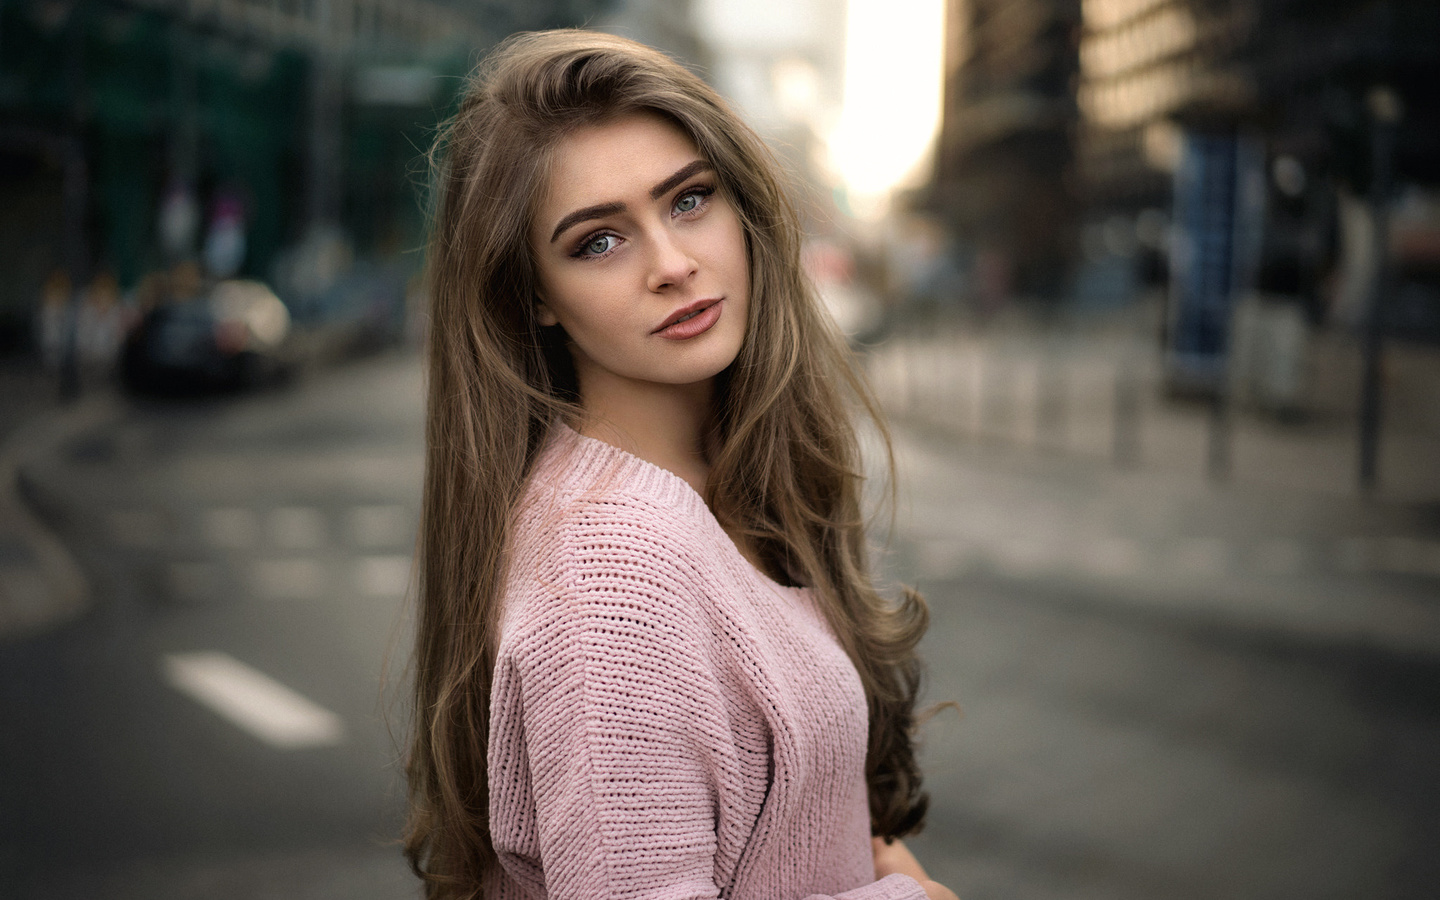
(618, 161)
(628, 145)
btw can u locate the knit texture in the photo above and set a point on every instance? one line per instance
(666, 721)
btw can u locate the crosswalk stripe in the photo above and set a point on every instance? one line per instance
(381, 576)
(300, 578)
(296, 527)
(252, 700)
(381, 525)
(230, 528)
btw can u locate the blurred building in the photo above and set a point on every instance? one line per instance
(667, 25)
(783, 65)
(1293, 74)
(1254, 125)
(1224, 149)
(257, 138)
(1004, 165)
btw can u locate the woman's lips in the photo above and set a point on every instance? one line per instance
(701, 319)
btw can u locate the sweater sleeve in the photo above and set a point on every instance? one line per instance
(891, 887)
(606, 747)
(610, 753)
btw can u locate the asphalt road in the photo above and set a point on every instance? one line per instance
(1171, 689)
(276, 530)
(1165, 690)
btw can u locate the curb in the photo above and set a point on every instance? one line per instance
(1370, 588)
(41, 584)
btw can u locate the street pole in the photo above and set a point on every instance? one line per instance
(325, 184)
(74, 178)
(1385, 112)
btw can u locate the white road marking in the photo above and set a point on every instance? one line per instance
(230, 528)
(381, 525)
(252, 700)
(296, 528)
(380, 576)
(301, 578)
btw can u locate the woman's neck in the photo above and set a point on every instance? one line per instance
(663, 424)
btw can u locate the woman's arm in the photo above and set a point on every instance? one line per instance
(600, 786)
(609, 757)
(615, 767)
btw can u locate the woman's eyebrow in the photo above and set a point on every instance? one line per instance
(673, 181)
(599, 211)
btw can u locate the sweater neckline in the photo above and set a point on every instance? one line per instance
(668, 487)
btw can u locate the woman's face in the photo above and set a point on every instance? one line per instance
(640, 257)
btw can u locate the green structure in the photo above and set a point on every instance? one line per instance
(131, 129)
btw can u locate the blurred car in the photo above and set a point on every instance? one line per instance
(234, 336)
(361, 310)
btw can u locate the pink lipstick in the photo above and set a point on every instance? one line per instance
(690, 320)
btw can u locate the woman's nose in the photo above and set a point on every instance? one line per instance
(672, 264)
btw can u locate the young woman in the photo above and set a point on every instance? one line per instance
(650, 661)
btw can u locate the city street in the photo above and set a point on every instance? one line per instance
(1167, 689)
(277, 530)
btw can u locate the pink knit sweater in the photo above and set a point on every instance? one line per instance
(666, 722)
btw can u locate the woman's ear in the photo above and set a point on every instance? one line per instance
(544, 314)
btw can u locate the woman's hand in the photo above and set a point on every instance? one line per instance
(896, 859)
(934, 890)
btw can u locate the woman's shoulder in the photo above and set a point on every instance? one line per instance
(598, 528)
(601, 566)
(583, 487)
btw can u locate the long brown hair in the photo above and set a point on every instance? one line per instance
(785, 466)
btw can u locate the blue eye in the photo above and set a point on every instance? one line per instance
(598, 245)
(692, 200)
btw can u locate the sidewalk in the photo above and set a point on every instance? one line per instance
(1257, 564)
(1007, 445)
(1096, 393)
(41, 586)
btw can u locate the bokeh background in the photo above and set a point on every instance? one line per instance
(1149, 289)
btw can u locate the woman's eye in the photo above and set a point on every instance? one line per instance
(598, 246)
(691, 200)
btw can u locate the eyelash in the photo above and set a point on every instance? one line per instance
(703, 194)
